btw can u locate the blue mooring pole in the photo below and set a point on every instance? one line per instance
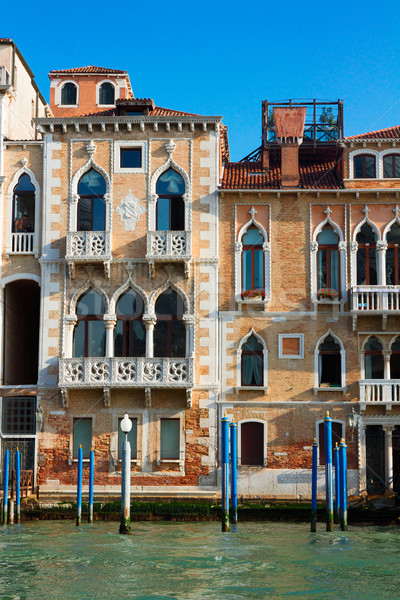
(328, 472)
(79, 489)
(5, 486)
(233, 434)
(343, 484)
(91, 477)
(314, 487)
(18, 486)
(337, 483)
(225, 472)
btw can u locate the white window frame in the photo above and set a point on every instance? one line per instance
(380, 255)
(120, 144)
(242, 388)
(285, 336)
(10, 208)
(181, 460)
(378, 163)
(317, 387)
(116, 93)
(58, 94)
(240, 443)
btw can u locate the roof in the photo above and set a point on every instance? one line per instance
(89, 69)
(157, 112)
(380, 134)
(250, 175)
(5, 40)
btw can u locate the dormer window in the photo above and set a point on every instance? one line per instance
(106, 94)
(69, 94)
(364, 166)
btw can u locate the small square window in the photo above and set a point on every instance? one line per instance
(131, 158)
(19, 416)
(291, 345)
(132, 438)
(82, 436)
(169, 439)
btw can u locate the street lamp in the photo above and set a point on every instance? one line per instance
(126, 425)
(353, 420)
(125, 524)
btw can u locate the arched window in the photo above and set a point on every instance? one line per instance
(24, 205)
(91, 206)
(90, 331)
(373, 359)
(252, 260)
(329, 363)
(391, 166)
(169, 331)
(252, 443)
(130, 333)
(170, 204)
(107, 93)
(366, 256)
(395, 359)
(328, 260)
(252, 367)
(392, 255)
(68, 94)
(364, 166)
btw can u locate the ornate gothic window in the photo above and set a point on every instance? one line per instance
(366, 256)
(329, 363)
(364, 166)
(392, 255)
(130, 333)
(328, 273)
(252, 366)
(69, 94)
(106, 93)
(91, 206)
(169, 331)
(373, 359)
(252, 261)
(170, 204)
(90, 331)
(24, 205)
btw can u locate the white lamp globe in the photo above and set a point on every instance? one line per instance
(126, 424)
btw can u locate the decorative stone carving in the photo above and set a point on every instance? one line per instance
(170, 147)
(91, 148)
(130, 211)
(381, 246)
(353, 246)
(189, 399)
(314, 246)
(24, 161)
(107, 397)
(238, 246)
(342, 246)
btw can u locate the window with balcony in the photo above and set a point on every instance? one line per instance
(391, 166)
(392, 255)
(170, 212)
(24, 205)
(252, 363)
(82, 436)
(169, 331)
(252, 443)
(328, 273)
(90, 331)
(366, 256)
(170, 434)
(106, 94)
(252, 262)
(130, 333)
(329, 363)
(374, 368)
(69, 94)
(364, 166)
(91, 205)
(395, 359)
(132, 439)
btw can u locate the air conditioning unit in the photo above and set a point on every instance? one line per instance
(5, 78)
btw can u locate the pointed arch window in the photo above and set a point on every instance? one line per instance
(130, 333)
(328, 274)
(373, 356)
(69, 94)
(329, 363)
(392, 255)
(170, 215)
(395, 359)
(252, 367)
(91, 205)
(366, 256)
(252, 260)
(24, 205)
(90, 331)
(106, 93)
(169, 331)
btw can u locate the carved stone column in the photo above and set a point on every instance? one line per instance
(70, 322)
(149, 322)
(110, 322)
(388, 456)
(386, 365)
(381, 248)
(189, 326)
(353, 263)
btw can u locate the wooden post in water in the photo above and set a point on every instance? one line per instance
(314, 486)
(18, 486)
(225, 472)
(233, 434)
(5, 486)
(79, 489)
(337, 483)
(328, 472)
(91, 477)
(343, 484)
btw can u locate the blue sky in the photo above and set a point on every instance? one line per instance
(225, 58)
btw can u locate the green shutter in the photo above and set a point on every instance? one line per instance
(170, 439)
(82, 436)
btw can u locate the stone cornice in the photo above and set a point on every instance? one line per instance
(303, 191)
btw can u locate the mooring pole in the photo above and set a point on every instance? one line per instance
(328, 472)
(5, 486)
(233, 434)
(18, 486)
(343, 484)
(225, 472)
(337, 483)
(125, 524)
(314, 486)
(79, 489)
(91, 478)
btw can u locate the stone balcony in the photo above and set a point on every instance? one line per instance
(379, 392)
(169, 246)
(375, 300)
(88, 247)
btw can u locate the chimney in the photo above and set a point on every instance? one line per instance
(289, 127)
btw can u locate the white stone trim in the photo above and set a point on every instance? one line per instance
(378, 162)
(118, 144)
(240, 423)
(116, 92)
(129, 284)
(58, 87)
(169, 414)
(239, 361)
(317, 387)
(18, 277)
(10, 207)
(156, 293)
(299, 336)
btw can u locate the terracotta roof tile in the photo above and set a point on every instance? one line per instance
(157, 112)
(5, 40)
(89, 69)
(380, 134)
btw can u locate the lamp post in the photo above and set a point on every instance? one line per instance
(353, 421)
(125, 524)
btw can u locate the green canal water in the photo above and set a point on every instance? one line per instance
(191, 561)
